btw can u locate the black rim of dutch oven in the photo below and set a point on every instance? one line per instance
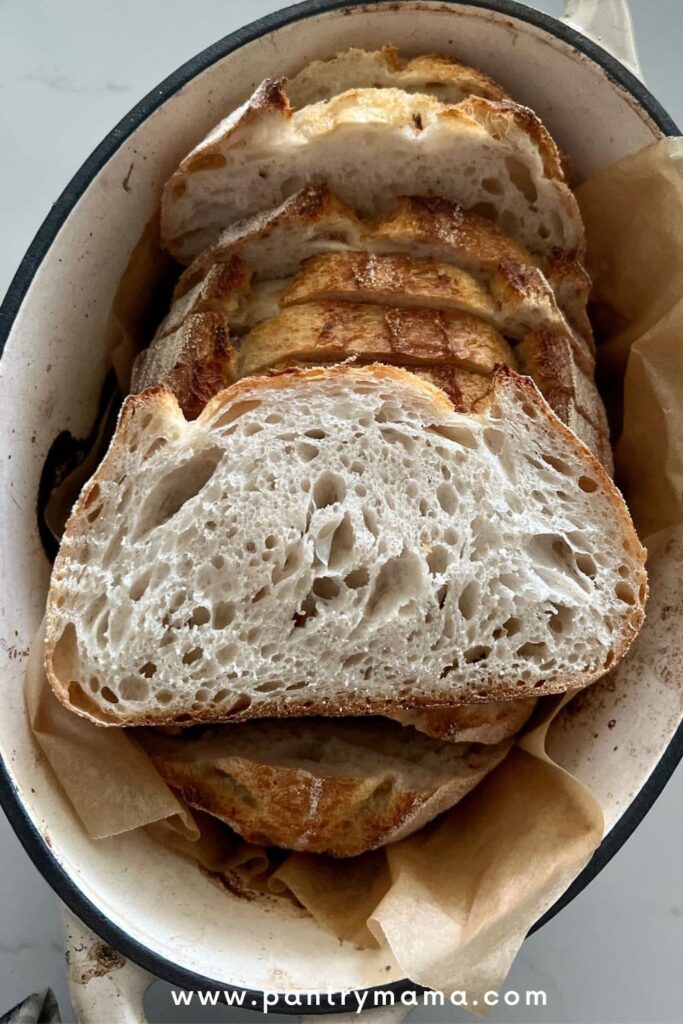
(33, 842)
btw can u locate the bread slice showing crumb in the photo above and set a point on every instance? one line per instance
(372, 146)
(431, 74)
(339, 542)
(339, 787)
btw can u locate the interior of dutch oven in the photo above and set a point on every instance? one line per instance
(153, 906)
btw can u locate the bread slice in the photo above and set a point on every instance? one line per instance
(430, 74)
(329, 331)
(339, 542)
(471, 723)
(392, 280)
(372, 146)
(339, 787)
(314, 222)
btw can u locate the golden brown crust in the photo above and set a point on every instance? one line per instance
(388, 279)
(547, 357)
(302, 799)
(195, 362)
(217, 291)
(495, 116)
(326, 331)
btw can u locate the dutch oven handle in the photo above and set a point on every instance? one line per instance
(609, 24)
(104, 985)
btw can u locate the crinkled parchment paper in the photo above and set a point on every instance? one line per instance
(454, 902)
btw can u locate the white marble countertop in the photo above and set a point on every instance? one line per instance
(68, 72)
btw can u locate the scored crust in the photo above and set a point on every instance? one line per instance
(315, 222)
(508, 388)
(328, 331)
(372, 307)
(333, 787)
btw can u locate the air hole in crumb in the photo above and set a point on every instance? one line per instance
(625, 593)
(521, 178)
(242, 702)
(370, 520)
(487, 210)
(587, 484)
(139, 585)
(109, 695)
(223, 614)
(493, 186)
(512, 626)
(447, 498)
(438, 560)
(200, 616)
(398, 585)
(477, 653)
(353, 659)
(306, 452)
(561, 621)
(458, 434)
(468, 600)
(586, 565)
(494, 439)
(94, 684)
(357, 578)
(293, 559)
(156, 446)
(235, 411)
(328, 489)
(148, 669)
(172, 492)
(193, 656)
(308, 610)
(326, 588)
(558, 464)
(134, 689)
(269, 687)
(217, 561)
(533, 650)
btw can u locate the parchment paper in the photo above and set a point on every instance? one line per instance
(454, 902)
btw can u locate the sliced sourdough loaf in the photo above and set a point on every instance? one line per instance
(339, 542)
(372, 146)
(371, 307)
(339, 787)
(314, 222)
(431, 74)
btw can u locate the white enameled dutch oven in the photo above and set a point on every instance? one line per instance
(155, 909)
